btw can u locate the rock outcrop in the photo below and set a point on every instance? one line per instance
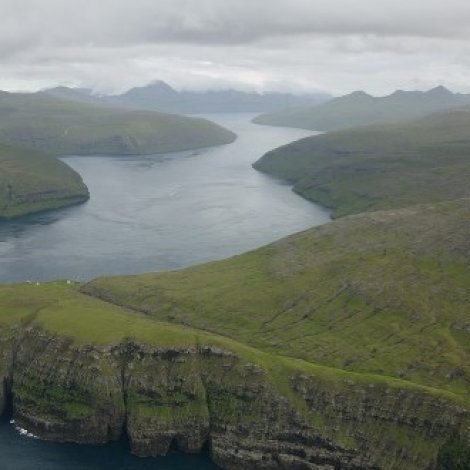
(206, 397)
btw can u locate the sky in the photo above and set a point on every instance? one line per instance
(297, 46)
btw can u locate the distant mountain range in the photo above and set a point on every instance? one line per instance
(159, 96)
(359, 108)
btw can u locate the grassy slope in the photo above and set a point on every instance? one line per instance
(65, 127)
(385, 293)
(31, 181)
(359, 108)
(380, 166)
(62, 309)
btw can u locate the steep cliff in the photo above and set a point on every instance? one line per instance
(193, 397)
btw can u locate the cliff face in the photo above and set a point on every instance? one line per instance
(194, 397)
(32, 181)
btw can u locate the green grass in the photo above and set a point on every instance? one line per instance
(64, 128)
(363, 310)
(359, 108)
(379, 167)
(32, 181)
(61, 309)
(385, 294)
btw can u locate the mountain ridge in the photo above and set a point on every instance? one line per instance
(159, 96)
(379, 166)
(359, 108)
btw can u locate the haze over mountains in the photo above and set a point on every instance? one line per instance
(360, 108)
(160, 96)
(65, 127)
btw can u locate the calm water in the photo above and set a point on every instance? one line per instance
(150, 213)
(23, 453)
(161, 212)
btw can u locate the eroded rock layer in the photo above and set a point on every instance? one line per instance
(204, 396)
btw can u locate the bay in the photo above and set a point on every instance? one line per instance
(161, 212)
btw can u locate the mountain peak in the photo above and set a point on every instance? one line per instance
(160, 85)
(359, 93)
(356, 95)
(439, 90)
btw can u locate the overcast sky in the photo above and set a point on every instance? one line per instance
(294, 45)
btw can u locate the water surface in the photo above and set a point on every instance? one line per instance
(23, 453)
(161, 212)
(150, 213)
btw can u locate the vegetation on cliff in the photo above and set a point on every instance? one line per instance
(344, 345)
(359, 108)
(32, 181)
(454, 454)
(305, 352)
(381, 166)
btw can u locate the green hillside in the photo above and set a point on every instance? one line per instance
(343, 346)
(32, 181)
(385, 293)
(381, 166)
(64, 127)
(360, 328)
(359, 108)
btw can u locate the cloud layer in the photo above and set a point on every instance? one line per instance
(340, 45)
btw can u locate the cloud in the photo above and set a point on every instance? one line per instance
(297, 44)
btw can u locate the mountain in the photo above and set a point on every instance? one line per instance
(79, 95)
(344, 346)
(359, 108)
(32, 181)
(379, 166)
(65, 127)
(159, 96)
